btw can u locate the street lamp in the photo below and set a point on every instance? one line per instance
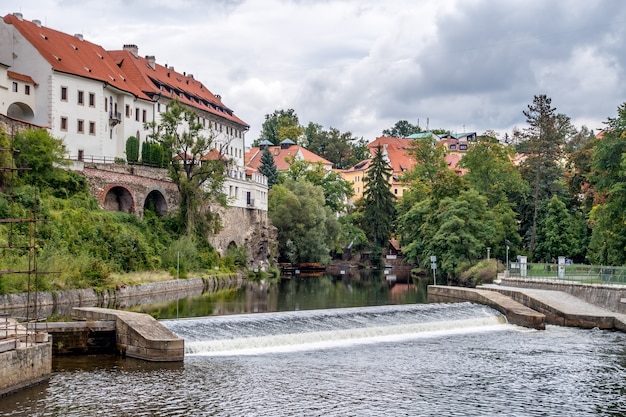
(507, 257)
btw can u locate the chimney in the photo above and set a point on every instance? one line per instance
(18, 15)
(190, 76)
(37, 22)
(79, 36)
(151, 61)
(133, 49)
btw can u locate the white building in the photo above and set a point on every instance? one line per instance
(95, 99)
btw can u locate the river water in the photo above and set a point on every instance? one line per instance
(383, 358)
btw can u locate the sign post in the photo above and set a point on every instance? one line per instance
(433, 266)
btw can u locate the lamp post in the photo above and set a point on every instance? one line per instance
(507, 242)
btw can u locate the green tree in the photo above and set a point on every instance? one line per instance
(543, 142)
(491, 172)
(608, 177)
(336, 189)
(6, 159)
(379, 211)
(132, 150)
(38, 155)
(457, 231)
(268, 168)
(280, 125)
(342, 149)
(196, 167)
(558, 232)
(402, 129)
(307, 229)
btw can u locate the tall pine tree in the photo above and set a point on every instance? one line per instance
(268, 167)
(378, 198)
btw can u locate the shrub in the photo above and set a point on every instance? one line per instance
(484, 272)
(132, 150)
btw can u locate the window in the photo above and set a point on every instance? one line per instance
(395, 191)
(92, 128)
(136, 114)
(92, 99)
(452, 146)
(64, 124)
(81, 98)
(127, 110)
(463, 147)
(106, 104)
(80, 126)
(144, 116)
(159, 107)
(63, 93)
(14, 87)
(27, 90)
(81, 154)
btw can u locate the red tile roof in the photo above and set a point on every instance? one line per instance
(21, 77)
(73, 55)
(397, 150)
(253, 157)
(150, 76)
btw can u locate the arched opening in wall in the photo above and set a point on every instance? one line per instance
(119, 199)
(155, 202)
(21, 111)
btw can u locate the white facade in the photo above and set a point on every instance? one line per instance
(95, 118)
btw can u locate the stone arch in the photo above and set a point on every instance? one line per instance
(155, 201)
(232, 245)
(21, 111)
(119, 198)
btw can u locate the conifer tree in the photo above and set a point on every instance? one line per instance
(378, 198)
(268, 168)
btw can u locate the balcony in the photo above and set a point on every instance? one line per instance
(115, 118)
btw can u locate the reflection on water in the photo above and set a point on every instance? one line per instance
(349, 289)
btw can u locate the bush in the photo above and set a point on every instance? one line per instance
(484, 272)
(132, 150)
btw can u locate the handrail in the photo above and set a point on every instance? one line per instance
(586, 274)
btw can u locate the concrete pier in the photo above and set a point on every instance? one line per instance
(138, 335)
(515, 312)
(534, 307)
(25, 357)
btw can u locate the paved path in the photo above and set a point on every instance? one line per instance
(563, 308)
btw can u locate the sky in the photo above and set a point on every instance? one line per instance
(362, 65)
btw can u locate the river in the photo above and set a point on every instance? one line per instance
(334, 347)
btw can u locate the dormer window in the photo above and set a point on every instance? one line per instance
(452, 146)
(463, 147)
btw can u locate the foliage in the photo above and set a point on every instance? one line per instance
(491, 172)
(608, 218)
(268, 168)
(379, 210)
(484, 272)
(280, 125)
(39, 156)
(198, 174)
(307, 228)
(153, 154)
(6, 160)
(402, 129)
(132, 150)
(350, 234)
(543, 142)
(336, 189)
(557, 232)
(342, 149)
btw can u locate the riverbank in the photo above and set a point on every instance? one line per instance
(61, 302)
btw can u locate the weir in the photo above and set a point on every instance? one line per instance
(252, 334)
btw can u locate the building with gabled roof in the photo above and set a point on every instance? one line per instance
(94, 100)
(283, 154)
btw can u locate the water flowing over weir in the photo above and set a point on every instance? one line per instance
(321, 329)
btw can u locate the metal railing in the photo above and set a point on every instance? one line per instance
(585, 274)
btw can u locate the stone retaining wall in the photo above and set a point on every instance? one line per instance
(28, 365)
(62, 302)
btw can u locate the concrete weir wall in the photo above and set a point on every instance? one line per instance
(611, 297)
(25, 366)
(138, 335)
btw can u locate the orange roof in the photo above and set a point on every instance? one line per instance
(397, 150)
(157, 80)
(73, 55)
(21, 77)
(253, 157)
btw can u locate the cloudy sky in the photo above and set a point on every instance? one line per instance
(362, 65)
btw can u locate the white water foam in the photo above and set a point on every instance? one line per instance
(342, 337)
